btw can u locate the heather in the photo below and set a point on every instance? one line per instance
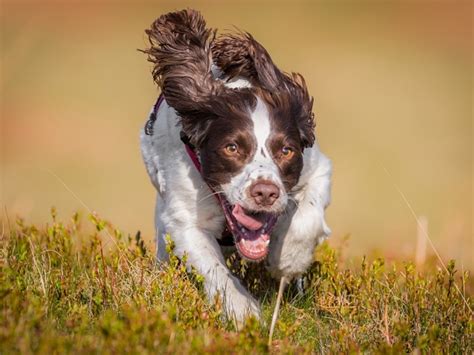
(82, 286)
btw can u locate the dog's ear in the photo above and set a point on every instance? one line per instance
(302, 108)
(241, 55)
(180, 48)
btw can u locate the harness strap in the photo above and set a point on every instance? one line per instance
(151, 120)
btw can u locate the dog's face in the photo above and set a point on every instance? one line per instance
(250, 139)
(254, 157)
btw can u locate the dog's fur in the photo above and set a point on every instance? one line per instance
(221, 90)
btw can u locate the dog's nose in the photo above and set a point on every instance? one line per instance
(264, 193)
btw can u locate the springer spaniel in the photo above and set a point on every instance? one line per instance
(230, 148)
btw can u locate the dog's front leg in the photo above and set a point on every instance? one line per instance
(303, 225)
(203, 253)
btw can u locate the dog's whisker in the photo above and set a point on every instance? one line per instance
(215, 193)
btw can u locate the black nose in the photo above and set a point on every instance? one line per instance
(264, 193)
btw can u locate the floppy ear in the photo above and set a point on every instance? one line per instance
(302, 105)
(241, 55)
(180, 50)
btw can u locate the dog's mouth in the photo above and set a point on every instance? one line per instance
(251, 230)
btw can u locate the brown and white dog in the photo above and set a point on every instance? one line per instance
(249, 162)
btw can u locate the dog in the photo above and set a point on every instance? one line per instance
(230, 148)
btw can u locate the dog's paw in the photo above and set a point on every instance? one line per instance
(239, 305)
(294, 240)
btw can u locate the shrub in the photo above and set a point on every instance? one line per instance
(66, 287)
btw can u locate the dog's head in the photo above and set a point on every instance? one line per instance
(250, 138)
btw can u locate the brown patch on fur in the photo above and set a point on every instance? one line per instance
(285, 111)
(292, 108)
(219, 167)
(290, 169)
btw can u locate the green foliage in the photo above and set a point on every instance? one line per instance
(65, 289)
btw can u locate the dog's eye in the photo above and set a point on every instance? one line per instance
(287, 152)
(231, 148)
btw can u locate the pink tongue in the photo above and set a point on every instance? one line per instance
(245, 220)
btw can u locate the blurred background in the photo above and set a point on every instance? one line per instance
(392, 83)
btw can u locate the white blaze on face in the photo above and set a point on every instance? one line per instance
(261, 167)
(261, 129)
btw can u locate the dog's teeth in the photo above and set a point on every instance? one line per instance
(263, 230)
(267, 242)
(265, 225)
(242, 230)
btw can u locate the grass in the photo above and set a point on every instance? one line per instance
(82, 286)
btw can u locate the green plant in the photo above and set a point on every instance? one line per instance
(86, 287)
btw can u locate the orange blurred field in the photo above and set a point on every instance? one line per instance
(392, 83)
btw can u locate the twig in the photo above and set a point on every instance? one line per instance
(283, 282)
